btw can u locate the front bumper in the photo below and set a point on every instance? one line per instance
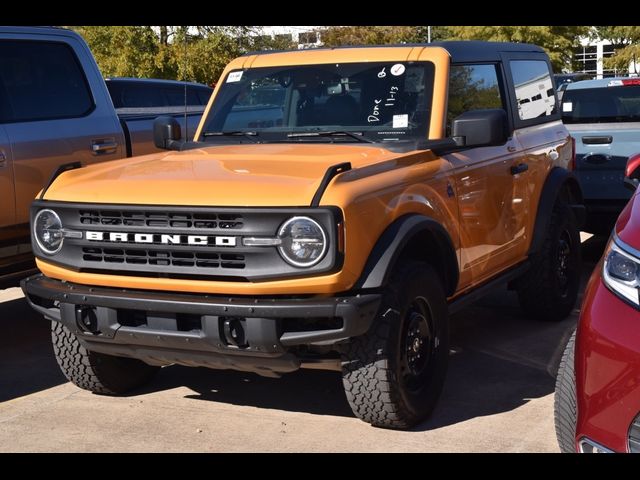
(607, 364)
(198, 330)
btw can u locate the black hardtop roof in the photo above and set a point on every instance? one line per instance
(460, 50)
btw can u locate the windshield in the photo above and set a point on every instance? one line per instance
(380, 101)
(600, 105)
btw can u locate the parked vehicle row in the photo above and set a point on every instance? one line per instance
(55, 109)
(333, 208)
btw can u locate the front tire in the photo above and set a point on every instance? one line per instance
(549, 289)
(565, 410)
(393, 374)
(97, 372)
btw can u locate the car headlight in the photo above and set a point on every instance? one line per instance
(303, 241)
(621, 272)
(47, 230)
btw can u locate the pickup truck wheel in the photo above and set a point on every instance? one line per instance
(393, 374)
(97, 372)
(565, 411)
(549, 289)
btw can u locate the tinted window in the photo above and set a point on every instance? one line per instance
(175, 96)
(472, 87)
(128, 94)
(41, 80)
(596, 105)
(531, 78)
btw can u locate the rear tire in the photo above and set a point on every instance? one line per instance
(97, 372)
(565, 410)
(549, 289)
(393, 374)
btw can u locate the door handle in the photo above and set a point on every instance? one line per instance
(100, 147)
(520, 168)
(3, 159)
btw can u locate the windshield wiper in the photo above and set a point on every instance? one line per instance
(331, 133)
(233, 133)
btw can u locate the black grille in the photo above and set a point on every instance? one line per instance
(139, 256)
(634, 436)
(156, 219)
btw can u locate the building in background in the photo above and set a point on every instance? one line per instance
(590, 59)
(305, 37)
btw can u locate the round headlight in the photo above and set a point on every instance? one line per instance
(47, 230)
(304, 242)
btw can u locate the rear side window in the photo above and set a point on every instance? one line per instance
(534, 89)
(151, 94)
(472, 87)
(40, 81)
(599, 105)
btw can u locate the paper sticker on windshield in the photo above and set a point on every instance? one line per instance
(567, 107)
(397, 69)
(400, 121)
(234, 76)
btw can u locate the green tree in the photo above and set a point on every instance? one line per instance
(558, 41)
(173, 52)
(123, 51)
(626, 43)
(371, 35)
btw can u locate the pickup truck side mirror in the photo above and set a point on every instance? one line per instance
(167, 133)
(632, 172)
(478, 128)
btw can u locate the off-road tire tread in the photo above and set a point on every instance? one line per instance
(369, 380)
(96, 372)
(536, 292)
(565, 411)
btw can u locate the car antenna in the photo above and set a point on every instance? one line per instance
(184, 78)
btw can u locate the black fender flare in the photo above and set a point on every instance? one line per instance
(559, 179)
(397, 237)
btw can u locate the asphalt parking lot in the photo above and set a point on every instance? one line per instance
(498, 396)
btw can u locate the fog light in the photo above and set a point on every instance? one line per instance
(587, 445)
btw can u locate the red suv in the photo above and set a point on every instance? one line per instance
(597, 398)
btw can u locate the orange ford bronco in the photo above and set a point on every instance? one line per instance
(332, 209)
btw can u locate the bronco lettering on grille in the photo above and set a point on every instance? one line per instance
(122, 237)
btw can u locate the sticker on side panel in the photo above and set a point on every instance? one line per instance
(234, 76)
(567, 107)
(397, 69)
(401, 121)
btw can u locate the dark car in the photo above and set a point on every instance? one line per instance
(597, 399)
(151, 92)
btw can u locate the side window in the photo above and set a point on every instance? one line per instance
(534, 90)
(175, 96)
(41, 80)
(472, 87)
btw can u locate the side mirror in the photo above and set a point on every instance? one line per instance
(478, 128)
(632, 172)
(167, 133)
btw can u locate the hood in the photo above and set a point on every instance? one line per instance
(231, 175)
(628, 224)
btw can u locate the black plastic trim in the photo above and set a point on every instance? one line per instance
(480, 291)
(57, 172)
(557, 179)
(331, 172)
(260, 263)
(357, 313)
(395, 238)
